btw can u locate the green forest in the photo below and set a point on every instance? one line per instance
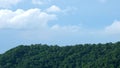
(100, 55)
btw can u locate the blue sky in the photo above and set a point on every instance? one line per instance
(61, 22)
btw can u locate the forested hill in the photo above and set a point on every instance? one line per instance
(77, 56)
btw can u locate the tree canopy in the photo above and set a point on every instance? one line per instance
(53, 56)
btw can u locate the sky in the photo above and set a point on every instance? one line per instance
(61, 22)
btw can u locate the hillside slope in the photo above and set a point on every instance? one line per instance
(77, 56)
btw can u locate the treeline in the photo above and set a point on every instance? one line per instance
(77, 56)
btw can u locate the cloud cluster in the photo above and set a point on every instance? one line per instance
(39, 19)
(36, 22)
(24, 19)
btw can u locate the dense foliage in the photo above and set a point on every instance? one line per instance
(77, 56)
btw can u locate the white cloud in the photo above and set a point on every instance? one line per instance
(31, 18)
(34, 19)
(53, 8)
(36, 23)
(24, 19)
(65, 11)
(8, 3)
(114, 28)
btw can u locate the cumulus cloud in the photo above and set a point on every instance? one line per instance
(39, 19)
(114, 28)
(34, 19)
(8, 3)
(53, 8)
(24, 19)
